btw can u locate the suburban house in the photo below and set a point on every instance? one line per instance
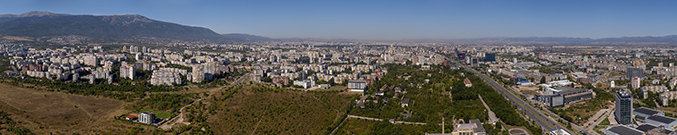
(405, 102)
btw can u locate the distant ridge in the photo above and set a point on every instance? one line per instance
(42, 23)
(666, 40)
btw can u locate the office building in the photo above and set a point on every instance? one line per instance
(623, 112)
(634, 72)
(490, 57)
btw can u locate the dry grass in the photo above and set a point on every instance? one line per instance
(286, 112)
(49, 112)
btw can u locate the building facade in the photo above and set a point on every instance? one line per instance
(147, 117)
(623, 107)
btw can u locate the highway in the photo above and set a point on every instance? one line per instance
(540, 119)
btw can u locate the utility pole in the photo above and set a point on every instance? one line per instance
(442, 125)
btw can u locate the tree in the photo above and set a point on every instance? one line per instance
(542, 79)
(267, 79)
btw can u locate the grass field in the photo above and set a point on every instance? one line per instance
(46, 112)
(258, 109)
(605, 122)
(159, 114)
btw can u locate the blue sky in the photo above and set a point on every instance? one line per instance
(390, 19)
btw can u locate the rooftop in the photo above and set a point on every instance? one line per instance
(479, 128)
(559, 132)
(662, 119)
(625, 130)
(405, 101)
(466, 126)
(357, 81)
(570, 90)
(646, 111)
(645, 127)
(624, 94)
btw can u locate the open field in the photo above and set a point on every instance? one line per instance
(45, 112)
(259, 109)
(337, 88)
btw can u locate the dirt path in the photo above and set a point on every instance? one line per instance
(68, 100)
(259, 122)
(179, 118)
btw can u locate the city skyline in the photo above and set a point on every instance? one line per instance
(390, 20)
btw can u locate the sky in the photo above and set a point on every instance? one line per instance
(389, 19)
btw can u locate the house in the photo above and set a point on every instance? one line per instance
(360, 102)
(132, 116)
(380, 93)
(391, 87)
(399, 90)
(467, 82)
(405, 102)
(384, 87)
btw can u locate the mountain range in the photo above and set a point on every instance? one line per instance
(42, 23)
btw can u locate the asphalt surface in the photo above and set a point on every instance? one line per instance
(544, 122)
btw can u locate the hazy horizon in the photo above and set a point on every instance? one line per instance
(391, 20)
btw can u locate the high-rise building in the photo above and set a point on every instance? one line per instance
(490, 57)
(90, 60)
(623, 112)
(634, 72)
(635, 82)
(414, 59)
(165, 77)
(127, 72)
(198, 74)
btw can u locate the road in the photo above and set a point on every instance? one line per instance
(540, 119)
(602, 78)
(596, 122)
(179, 118)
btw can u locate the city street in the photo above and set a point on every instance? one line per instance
(542, 121)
